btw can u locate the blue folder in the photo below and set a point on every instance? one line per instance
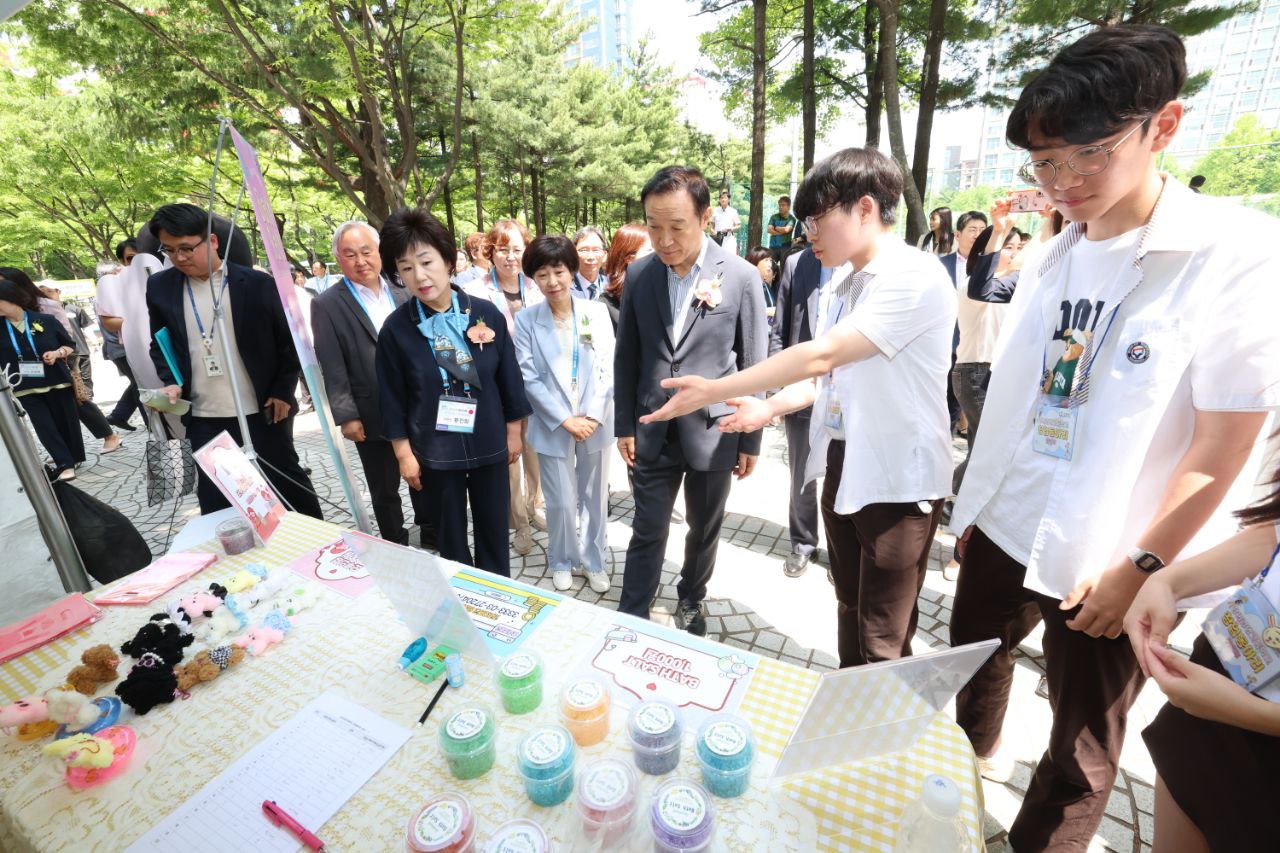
(165, 340)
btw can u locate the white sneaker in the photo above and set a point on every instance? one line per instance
(523, 542)
(997, 767)
(951, 571)
(562, 579)
(599, 581)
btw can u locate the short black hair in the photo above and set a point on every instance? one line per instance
(843, 178)
(181, 220)
(783, 198)
(125, 244)
(670, 179)
(10, 291)
(1196, 182)
(549, 250)
(409, 227)
(1095, 87)
(23, 282)
(969, 216)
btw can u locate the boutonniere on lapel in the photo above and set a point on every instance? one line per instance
(37, 327)
(480, 334)
(708, 292)
(584, 329)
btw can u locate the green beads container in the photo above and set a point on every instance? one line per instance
(519, 681)
(468, 739)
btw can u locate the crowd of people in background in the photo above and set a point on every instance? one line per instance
(1117, 358)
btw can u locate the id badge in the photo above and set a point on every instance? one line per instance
(31, 369)
(833, 418)
(1055, 431)
(211, 366)
(1244, 632)
(456, 414)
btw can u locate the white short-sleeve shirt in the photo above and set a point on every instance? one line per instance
(1197, 333)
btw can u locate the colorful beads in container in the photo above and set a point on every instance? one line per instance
(546, 763)
(520, 683)
(606, 800)
(468, 739)
(445, 824)
(519, 836)
(682, 817)
(655, 729)
(235, 536)
(584, 709)
(726, 751)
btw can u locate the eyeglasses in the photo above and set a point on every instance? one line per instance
(1086, 161)
(507, 251)
(591, 251)
(176, 252)
(810, 226)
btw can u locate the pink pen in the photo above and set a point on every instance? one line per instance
(279, 817)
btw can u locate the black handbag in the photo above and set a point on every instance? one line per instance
(109, 545)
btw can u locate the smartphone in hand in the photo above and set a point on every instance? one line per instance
(1027, 201)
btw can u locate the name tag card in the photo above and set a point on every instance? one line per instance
(1244, 631)
(1054, 433)
(456, 414)
(212, 367)
(31, 369)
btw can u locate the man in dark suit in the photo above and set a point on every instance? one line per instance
(794, 321)
(690, 308)
(345, 321)
(182, 299)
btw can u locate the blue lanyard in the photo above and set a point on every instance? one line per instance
(768, 296)
(360, 299)
(195, 312)
(444, 375)
(13, 339)
(576, 348)
(1270, 563)
(493, 275)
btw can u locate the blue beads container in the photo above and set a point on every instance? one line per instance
(546, 763)
(655, 729)
(726, 751)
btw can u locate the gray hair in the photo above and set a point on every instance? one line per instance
(590, 229)
(349, 224)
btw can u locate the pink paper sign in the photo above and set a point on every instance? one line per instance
(59, 618)
(145, 586)
(336, 566)
(241, 483)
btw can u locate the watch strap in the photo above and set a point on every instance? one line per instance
(1146, 561)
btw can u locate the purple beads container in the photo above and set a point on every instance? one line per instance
(682, 817)
(235, 536)
(656, 730)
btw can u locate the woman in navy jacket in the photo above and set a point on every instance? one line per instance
(452, 397)
(39, 342)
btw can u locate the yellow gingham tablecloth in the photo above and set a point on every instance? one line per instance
(349, 647)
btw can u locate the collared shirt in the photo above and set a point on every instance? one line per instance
(377, 305)
(894, 403)
(1196, 334)
(979, 322)
(725, 219)
(823, 324)
(321, 283)
(681, 290)
(584, 289)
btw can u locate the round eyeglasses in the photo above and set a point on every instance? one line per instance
(1086, 161)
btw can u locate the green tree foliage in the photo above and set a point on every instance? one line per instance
(1245, 162)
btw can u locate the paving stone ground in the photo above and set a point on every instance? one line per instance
(751, 604)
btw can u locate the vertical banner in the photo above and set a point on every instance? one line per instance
(279, 265)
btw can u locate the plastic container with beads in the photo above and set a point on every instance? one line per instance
(546, 763)
(235, 536)
(445, 824)
(655, 729)
(518, 836)
(519, 682)
(607, 792)
(584, 709)
(682, 817)
(468, 739)
(726, 751)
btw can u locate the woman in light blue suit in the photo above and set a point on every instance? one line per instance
(565, 350)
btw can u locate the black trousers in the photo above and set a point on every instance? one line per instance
(274, 444)
(654, 489)
(53, 416)
(129, 401)
(382, 474)
(803, 514)
(488, 492)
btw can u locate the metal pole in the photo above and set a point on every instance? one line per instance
(53, 526)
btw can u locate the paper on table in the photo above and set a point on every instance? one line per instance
(145, 586)
(61, 617)
(310, 766)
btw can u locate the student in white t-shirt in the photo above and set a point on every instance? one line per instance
(725, 223)
(1135, 369)
(1216, 746)
(879, 426)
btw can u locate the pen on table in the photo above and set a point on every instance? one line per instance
(413, 652)
(439, 693)
(279, 817)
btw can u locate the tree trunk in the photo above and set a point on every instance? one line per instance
(524, 206)
(893, 107)
(595, 218)
(871, 57)
(755, 216)
(533, 182)
(809, 107)
(448, 193)
(928, 104)
(475, 165)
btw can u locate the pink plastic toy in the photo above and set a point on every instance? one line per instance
(32, 709)
(95, 759)
(259, 638)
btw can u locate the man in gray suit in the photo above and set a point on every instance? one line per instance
(345, 321)
(689, 308)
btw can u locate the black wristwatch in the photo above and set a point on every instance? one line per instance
(1145, 561)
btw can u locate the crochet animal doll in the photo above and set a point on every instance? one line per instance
(151, 682)
(82, 751)
(72, 709)
(160, 637)
(97, 666)
(208, 665)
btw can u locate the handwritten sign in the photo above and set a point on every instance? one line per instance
(241, 483)
(337, 566)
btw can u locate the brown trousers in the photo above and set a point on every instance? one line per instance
(1093, 682)
(878, 559)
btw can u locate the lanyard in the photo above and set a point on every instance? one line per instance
(493, 275)
(1270, 563)
(360, 299)
(574, 333)
(444, 375)
(207, 337)
(13, 339)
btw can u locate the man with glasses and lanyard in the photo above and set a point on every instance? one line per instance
(345, 322)
(183, 299)
(1134, 373)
